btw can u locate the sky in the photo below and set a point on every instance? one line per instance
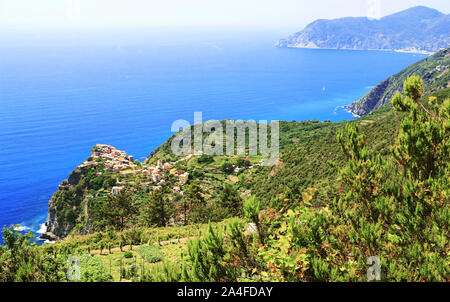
(195, 13)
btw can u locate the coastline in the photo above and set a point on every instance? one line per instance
(57, 161)
(422, 52)
(349, 110)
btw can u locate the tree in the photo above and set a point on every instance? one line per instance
(193, 203)
(394, 209)
(206, 255)
(22, 261)
(118, 210)
(159, 209)
(230, 199)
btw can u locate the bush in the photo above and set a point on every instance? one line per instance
(243, 163)
(227, 168)
(128, 255)
(151, 254)
(196, 174)
(205, 159)
(92, 270)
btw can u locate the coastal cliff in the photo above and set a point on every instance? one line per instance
(106, 172)
(434, 70)
(418, 29)
(57, 226)
(68, 207)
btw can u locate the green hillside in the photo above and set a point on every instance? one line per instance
(382, 186)
(434, 70)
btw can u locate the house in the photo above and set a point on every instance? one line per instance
(116, 190)
(159, 165)
(183, 178)
(156, 177)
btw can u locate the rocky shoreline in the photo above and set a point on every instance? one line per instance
(48, 236)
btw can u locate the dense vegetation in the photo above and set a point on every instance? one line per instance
(340, 194)
(391, 211)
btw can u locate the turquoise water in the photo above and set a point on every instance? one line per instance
(62, 92)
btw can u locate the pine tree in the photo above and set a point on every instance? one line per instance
(394, 209)
(159, 209)
(194, 203)
(118, 210)
(230, 199)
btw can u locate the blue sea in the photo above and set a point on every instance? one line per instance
(62, 92)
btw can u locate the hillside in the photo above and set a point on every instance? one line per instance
(418, 29)
(340, 192)
(305, 148)
(73, 207)
(316, 182)
(434, 70)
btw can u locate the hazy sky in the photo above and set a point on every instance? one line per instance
(238, 13)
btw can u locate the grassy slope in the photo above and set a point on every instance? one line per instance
(171, 241)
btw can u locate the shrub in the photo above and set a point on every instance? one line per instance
(227, 168)
(128, 254)
(151, 254)
(205, 159)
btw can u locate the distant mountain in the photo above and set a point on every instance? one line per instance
(418, 29)
(435, 71)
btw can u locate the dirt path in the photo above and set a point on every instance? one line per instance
(127, 247)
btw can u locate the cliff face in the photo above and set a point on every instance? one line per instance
(68, 207)
(375, 99)
(57, 225)
(419, 29)
(434, 70)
